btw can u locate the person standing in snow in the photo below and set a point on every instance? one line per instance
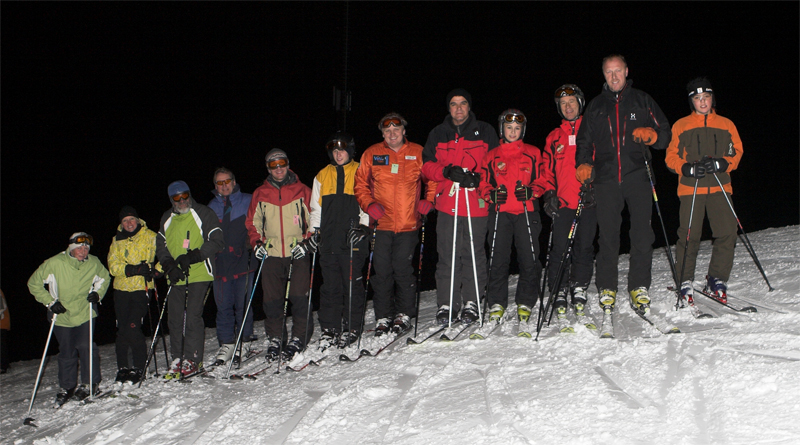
(189, 236)
(278, 227)
(233, 275)
(389, 186)
(561, 203)
(340, 228)
(610, 154)
(69, 284)
(131, 259)
(705, 145)
(452, 157)
(517, 169)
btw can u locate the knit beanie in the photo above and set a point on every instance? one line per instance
(459, 92)
(276, 153)
(75, 245)
(128, 211)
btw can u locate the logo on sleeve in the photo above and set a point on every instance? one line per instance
(380, 159)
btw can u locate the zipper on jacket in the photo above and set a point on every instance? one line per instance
(280, 218)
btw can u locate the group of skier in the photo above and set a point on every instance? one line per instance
(484, 190)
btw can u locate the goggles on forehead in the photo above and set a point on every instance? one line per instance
(565, 91)
(82, 239)
(509, 118)
(392, 121)
(277, 163)
(223, 182)
(179, 196)
(336, 145)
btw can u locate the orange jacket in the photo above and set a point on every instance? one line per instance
(697, 136)
(394, 180)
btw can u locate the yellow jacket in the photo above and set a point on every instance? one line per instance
(131, 250)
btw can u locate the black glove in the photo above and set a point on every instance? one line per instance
(174, 273)
(694, 170)
(551, 203)
(93, 297)
(523, 192)
(303, 248)
(356, 234)
(189, 258)
(454, 173)
(142, 269)
(714, 165)
(588, 196)
(472, 180)
(499, 195)
(57, 307)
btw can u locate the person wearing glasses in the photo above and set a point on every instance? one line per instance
(338, 221)
(278, 225)
(452, 157)
(233, 275)
(67, 284)
(189, 236)
(131, 259)
(611, 148)
(513, 177)
(389, 188)
(561, 203)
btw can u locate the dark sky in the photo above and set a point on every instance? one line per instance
(105, 104)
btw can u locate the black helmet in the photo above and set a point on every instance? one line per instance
(569, 89)
(509, 116)
(340, 140)
(700, 85)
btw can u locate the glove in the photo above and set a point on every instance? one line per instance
(156, 273)
(260, 250)
(174, 273)
(551, 203)
(424, 207)
(57, 307)
(523, 192)
(694, 170)
(189, 258)
(376, 211)
(142, 269)
(93, 297)
(588, 197)
(454, 173)
(646, 135)
(499, 195)
(356, 234)
(584, 173)
(304, 247)
(471, 180)
(714, 165)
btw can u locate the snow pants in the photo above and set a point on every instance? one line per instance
(464, 279)
(73, 346)
(231, 296)
(578, 270)
(611, 200)
(130, 309)
(514, 228)
(273, 283)
(335, 311)
(194, 343)
(723, 228)
(394, 283)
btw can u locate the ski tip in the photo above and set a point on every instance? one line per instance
(476, 337)
(344, 358)
(235, 377)
(365, 352)
(606, 335)
(748, 309)
(524, 335)
(705, 316)
(674, 330)
(29, 421)
(411, 341)
(591, 326)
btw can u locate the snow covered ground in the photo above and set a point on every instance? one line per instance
(729, 379)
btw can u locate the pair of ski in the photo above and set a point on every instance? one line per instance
(367, 353)
(658, 322)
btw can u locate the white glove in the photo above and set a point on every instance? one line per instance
(261, 251)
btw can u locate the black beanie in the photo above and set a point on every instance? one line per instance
(126, 212)
(459, 92)
(700, 85)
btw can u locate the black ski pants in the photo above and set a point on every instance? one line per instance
(73, 346)
(337, 310)
(130, 308)
(464, 278)
(193, 345)
(514, 228)
(394, 283)
(274, 279)
(578, 270)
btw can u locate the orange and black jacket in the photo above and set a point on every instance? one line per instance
(509, 163)
(697, 136)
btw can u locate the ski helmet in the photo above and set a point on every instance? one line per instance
(700, 85)
(569, 89)
(341, 141)
(509, 116)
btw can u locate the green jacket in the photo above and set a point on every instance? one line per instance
(74, 281)
(205, 234)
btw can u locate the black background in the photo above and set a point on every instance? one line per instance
(105, 104)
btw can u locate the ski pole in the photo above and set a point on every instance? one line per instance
(238, 349)
(678, 304)
(419, 274)
(366, 286)
(546, 269)
(163, 337)
(149, 314)
(647, 157)
(310, 289)
(747, 244)
(28, 420)
(91, 358)
(491, 253)
(453, 259)
(530, 236)
(152, 352)
(350, 291)
(472, 250)
(285, 306)
(246, 312)
(185, 308)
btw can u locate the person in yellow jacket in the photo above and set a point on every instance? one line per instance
(705, 148)
(130, 260)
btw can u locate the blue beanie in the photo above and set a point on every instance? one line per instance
(177, 187)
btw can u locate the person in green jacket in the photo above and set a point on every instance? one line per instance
(67, 284)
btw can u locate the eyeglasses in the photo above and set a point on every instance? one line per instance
(391, 121)
(82, 239)
(224, 181)
(514, 117)
(565, 91)
(336, 145)
(179, 196)
(277, 163)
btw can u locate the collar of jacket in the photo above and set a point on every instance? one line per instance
(612, 95)
(122, 234)
(460, 129)
(402, 147)
(236, 190)
(290, 178)
(567, 125)
(510, 148)
(703, 119)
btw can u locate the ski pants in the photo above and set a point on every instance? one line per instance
(130, 309)
(611, 200)
(578, 270)
(394, 283)
(337, 310)
(73, 346)
(273, 282)
(464, 279)
(723, 228)
(194, 341)
(514, 228)
(231, 296)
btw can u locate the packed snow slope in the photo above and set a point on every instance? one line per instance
(730, 379)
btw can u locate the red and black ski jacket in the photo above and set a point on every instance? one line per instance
(559, 153)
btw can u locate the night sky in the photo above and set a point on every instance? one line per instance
(105, 104)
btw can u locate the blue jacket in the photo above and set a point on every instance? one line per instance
(235, 259)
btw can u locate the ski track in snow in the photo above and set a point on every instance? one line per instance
(729, 379)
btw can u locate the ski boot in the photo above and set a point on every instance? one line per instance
(83, 391)
(687, 292)
(134, 376)
(328, 339)
(190, 367)
(640, 299)
(64, 395)
(717, 288)
(347, 339)
(382, 327)
(273, 349)
(174, 372)
(579, 300)
(122, 375)
(402, 323)
(560, 304)
(295, 346)
(470, 313)
(496, 313)
(607, 299)
(224, 354)
(443, 315)
(523, 313)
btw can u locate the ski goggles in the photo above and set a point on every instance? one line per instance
(223, 182)
(336, 145)
(565, 91)
(392, 121)
(278, 163)
(82, 239)
(509, 118)
(179, 196)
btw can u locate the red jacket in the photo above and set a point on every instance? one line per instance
(279, 217)
(509, 163)
(559, 153)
